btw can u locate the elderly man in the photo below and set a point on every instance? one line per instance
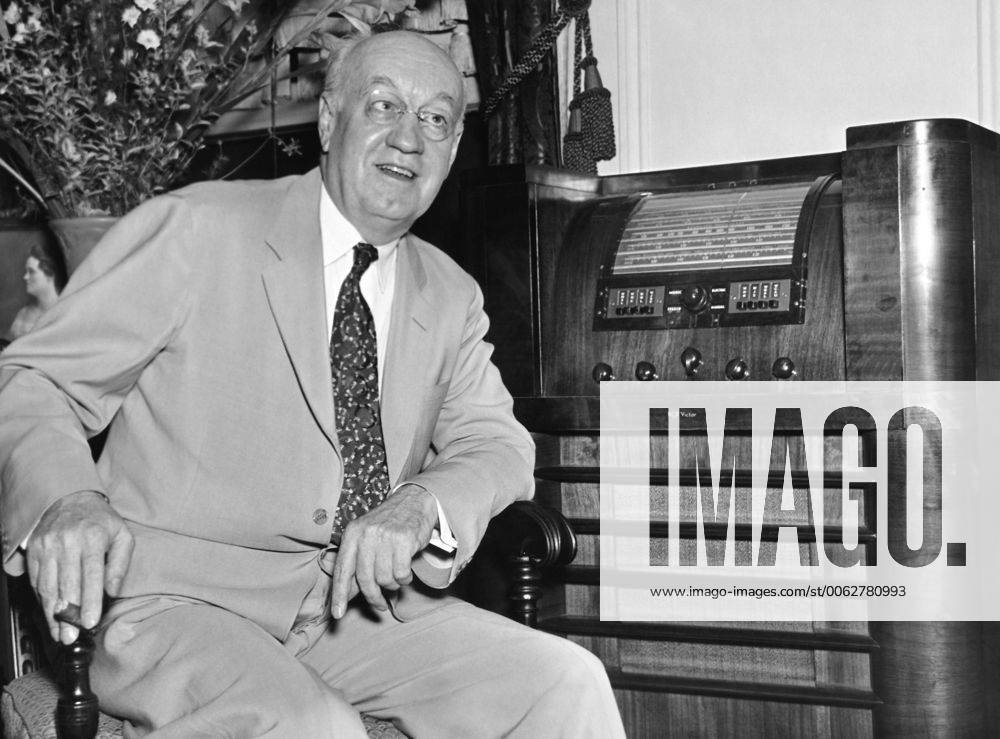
(304, 411)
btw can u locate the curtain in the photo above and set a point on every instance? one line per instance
(525, 127)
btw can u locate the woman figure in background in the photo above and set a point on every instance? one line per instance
(40, 284)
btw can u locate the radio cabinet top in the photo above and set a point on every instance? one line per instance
(871, 263)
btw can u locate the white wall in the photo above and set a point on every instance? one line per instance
(710, 81)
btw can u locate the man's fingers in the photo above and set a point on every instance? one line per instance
(377, 550)
(402, 567)
(393, 569)
(343, 576)
(93, 589)
(66, 558)
(47, 588)
(68, 633)
(119, 557)
(385, 571)
(70, 566)
(68, 615)
(364, 571)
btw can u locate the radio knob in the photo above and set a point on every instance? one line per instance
(783, 368)
(645, 371)
(737, 369)
(695, 298)
(691, 359)
(602, 372)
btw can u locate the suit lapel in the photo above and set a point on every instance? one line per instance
(297, 296)
(407, 358)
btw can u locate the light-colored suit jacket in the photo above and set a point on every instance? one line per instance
(197, 329)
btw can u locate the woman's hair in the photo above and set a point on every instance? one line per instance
(47, 265)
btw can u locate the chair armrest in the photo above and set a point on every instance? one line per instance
(77, 709)
(529, 537)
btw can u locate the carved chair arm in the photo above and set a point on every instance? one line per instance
(530, 536)
(77, 709)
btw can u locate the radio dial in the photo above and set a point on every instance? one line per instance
(645, 371)
(737, 369)
(783, 368)
(602, 372)
(695, 298)
(691, 359)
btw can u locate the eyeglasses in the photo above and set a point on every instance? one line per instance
(388, 112)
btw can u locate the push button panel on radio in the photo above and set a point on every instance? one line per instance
(697, 304)
(760, 295)
(624, 302)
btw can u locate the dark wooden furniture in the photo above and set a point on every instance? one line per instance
(527, 536)
(896, 242)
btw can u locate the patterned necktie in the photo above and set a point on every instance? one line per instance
(354, 365)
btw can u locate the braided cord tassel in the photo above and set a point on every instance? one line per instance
(576, 151)
(597, 120)
(568, 9)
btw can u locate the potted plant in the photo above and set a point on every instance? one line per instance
(105, 102)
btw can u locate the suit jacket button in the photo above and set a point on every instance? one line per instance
(319, 516)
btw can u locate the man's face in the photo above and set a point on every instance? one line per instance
(382, 169)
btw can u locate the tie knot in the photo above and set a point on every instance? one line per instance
(364, 255)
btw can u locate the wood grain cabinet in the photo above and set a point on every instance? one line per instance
(883, 269)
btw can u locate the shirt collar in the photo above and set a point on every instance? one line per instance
(339, 237)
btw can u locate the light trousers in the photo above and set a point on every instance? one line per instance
(176, 667)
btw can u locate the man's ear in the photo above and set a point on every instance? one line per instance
(326, 120)
(454, 146)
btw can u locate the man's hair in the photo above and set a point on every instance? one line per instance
(337, 71)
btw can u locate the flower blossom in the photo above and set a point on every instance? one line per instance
(204, 38)
(68, 148)
(131, 16)
(148, 39)
(146, 4)
(187, 58)
(110, 97)
(12, 15)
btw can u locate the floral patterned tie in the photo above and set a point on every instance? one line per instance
(354, 365)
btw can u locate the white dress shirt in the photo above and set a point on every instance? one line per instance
(378, 285)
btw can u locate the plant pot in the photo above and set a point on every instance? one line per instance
(77, 236)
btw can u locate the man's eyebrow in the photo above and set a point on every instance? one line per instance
(383, 80)
(379, 80)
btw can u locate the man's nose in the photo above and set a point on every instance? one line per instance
(406, 135)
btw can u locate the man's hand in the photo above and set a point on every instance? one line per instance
(377, 548)
(79, 548)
